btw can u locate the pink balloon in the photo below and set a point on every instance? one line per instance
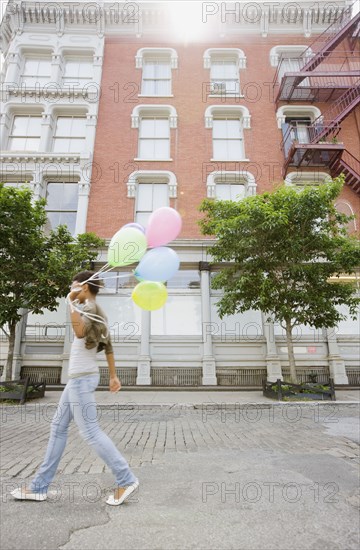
(164, 226)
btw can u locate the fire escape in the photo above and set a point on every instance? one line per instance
(327, 74)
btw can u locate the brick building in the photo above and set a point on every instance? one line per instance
(111, 110)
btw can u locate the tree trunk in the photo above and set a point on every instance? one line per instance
(10, 357)
(291, 356)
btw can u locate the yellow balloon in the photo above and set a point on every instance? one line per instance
(150, 295)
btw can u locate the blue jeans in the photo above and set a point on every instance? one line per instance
(78, 402)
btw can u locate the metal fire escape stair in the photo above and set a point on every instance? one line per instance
(337, 112)
(330, 123)
(350, 167)
(343, 27)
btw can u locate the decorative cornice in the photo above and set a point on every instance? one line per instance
(18, 157)
(137, 19)
(50, 91)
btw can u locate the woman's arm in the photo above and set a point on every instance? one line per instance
(77, 321)
(78, 324)
(115, 383)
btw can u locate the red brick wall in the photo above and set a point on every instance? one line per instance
(191, 143)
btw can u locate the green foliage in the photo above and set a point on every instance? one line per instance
(281, 249)
(36, 267)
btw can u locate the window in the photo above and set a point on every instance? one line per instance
(154, 138)
(61, 204)
(227, 123)
(224, 65)
(156, 78)
(289, 58)
(152, 176)
(297, 111)
(69, 135)
(185, 279)
(296, 123)
(115, 281)
(16, 185)
(154, 123)
(229, 192)
(25, 133)
(227, 139)
(300, 178)
(228, 185)
(299, 128)
(156, 65)
(78, 71)
(344, 207)
(150, 196)
(36, 72)
(224, 77)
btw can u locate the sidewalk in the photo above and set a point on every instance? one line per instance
(190, 399)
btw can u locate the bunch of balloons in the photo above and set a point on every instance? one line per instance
(157, 265)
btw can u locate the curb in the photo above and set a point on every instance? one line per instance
(208, 406)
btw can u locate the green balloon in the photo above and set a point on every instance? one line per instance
(150, 295)
(126, 247)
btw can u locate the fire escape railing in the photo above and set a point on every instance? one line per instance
(337, 112)
(325, 43)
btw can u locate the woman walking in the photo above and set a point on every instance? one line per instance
(91, 335)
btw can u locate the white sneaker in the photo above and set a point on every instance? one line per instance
(20, 494)
(124, 495)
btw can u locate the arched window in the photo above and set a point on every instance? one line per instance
(227, 123)
(154, 123)
(151, 189)
(230, 185)
(156, 65)
(224, 65)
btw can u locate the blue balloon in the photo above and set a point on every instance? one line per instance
(158, 264)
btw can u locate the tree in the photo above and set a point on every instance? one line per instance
(283, 248)
(35, 267)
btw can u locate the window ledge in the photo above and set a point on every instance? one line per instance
(153, 160)
(222, 96)
(142, 95)
(227, 160)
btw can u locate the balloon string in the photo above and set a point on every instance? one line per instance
(91, 316)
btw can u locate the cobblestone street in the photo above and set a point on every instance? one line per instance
(207, 476)
(148, 436)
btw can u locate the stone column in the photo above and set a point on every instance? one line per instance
(19, 337)
(68, 338)
(208, 362)
(37, 184)
(47, 125)
(336, 362)
(83, 201)
(56, 71)
(91, 121)
(13, 69)
(97, 67)
(4, 130)
(144, 361)
(273, 364)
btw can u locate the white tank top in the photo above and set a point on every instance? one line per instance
(82, 360)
